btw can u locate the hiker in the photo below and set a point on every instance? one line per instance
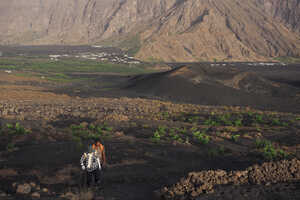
(93, 163)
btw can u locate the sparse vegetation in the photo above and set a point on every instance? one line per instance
(269, 152)
(233, 119)
(288, 59)
(235, 137)
(202, 137)
(83, 132)
(17, 129)
(10, 147)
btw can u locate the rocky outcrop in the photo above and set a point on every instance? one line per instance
(169, 30)
(204, 182)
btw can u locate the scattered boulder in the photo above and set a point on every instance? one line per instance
(23, 189)
(3, 194)
(45, 190)
(36, 195)
(119, 133)
(14, 184)
(32, 184)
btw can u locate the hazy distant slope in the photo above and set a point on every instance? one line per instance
(73, 21)
(170, 30)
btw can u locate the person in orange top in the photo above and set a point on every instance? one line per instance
(100, 150)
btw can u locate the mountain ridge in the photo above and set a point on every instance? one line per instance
(168, 30)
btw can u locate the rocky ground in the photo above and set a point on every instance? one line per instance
(224, 152)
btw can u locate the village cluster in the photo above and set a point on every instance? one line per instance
(100, 56)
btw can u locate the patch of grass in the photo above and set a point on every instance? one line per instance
(281, 153)
(10, 147)
(165, 115)
(83, 132)
(193, 119)
(57, 70)
(235, 138)
(262, 143)
(170, 134)
(16, 129)
(238, 122)
(211, 122)
(202, 137)
(269, 152)
(276, 122)
(156, 136)
(288, 59)
(259, 118)
(233, 119)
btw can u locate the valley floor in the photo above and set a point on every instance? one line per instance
(151, 144)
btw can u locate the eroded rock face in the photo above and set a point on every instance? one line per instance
(230, 29)
(73, 21)
(170, 30)
(287, 12)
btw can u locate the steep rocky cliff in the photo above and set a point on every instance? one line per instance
(170, 30)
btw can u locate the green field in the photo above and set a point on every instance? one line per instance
(60, 70)
(288, 60)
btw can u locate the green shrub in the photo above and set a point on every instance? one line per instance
(238, 122)
(282, 154)
(9, 126)
(162, 130)
(165, 115)
(276, 122)
(81, 132)
(16, 129)
(156, 136)
(259, 118)
(10, 147)
(235, 137)
(211, 122)
(269, 152)
(262, 143)
(202, 137)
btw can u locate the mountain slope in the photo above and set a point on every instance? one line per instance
(169, 30)
(73, 21)
(229, 29)
(287, 12)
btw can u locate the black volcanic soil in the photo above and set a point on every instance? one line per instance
(140, 166)
(263, 87)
